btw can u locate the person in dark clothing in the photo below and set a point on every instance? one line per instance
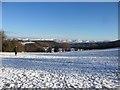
(15, 50)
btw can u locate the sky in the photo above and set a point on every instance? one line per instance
(61, 20)
(0, 15)
(60, 0)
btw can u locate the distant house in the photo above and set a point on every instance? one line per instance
(46, 49)
(72, 49)
(79, 49)
(52, 50)
(60, 50)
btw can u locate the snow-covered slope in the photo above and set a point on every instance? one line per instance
(82, 69)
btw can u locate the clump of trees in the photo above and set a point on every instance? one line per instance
(38, 46)
(33, 47)
(9, 44)
(63, 46)
(46, 46)
(49, 46)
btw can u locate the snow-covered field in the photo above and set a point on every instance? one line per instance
(80, 69)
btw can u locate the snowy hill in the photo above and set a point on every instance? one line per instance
(86, 69)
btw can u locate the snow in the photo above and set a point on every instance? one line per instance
(26, 43)
(77, 69)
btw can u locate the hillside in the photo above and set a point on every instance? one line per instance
(40, 46)
(97, 45)
(53, 46)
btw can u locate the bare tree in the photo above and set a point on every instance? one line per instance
(2, 38)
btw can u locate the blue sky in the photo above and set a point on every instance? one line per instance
(0, 15)
(83, 20)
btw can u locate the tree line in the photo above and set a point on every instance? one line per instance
(37, 46)
(48, 46)
(9, 44)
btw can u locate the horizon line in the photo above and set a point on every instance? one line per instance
(9, 37)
